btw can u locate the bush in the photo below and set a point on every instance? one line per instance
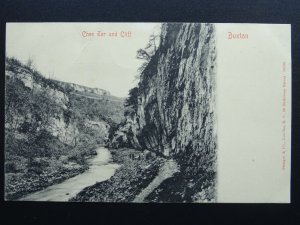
(35, 166)
(26, 127)
(46, 145)
(76, 157)
(10, 167)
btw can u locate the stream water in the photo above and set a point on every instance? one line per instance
(100, 169)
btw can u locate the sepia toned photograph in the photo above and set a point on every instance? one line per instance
(111, 112)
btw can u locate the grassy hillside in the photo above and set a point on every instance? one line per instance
(50, 128)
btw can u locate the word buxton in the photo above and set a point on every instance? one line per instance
(122, 34)
(236, 36)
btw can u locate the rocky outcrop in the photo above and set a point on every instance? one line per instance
(35, 103)
(176, 113)
(84, 89)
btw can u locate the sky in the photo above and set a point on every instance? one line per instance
(68, 52)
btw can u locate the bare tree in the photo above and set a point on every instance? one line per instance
(30, 63)
(150, 48)
(147, 53)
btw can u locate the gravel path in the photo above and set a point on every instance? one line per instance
(166, 171)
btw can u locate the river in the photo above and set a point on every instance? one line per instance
(100, 169)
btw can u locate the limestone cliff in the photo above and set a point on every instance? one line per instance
(65, 111)
(83, 89)
(176, 114)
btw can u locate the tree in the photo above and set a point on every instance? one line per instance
(149, 50)
(147, 53)
(30, 63)
(131, 103)
(132, 98)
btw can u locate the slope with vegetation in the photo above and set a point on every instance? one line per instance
(51, 128)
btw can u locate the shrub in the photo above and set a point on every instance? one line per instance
(35, 166)
(10, 167)
(76, 157)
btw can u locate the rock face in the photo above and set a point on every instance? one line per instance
(176, 113)
(35, 103)
(88, 90)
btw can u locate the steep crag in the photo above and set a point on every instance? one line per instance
(175, 113)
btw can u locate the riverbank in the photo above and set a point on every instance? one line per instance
(155, 179)
(137, 170)
(33, 175)
(100, 169)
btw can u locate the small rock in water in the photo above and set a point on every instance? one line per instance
(67, 193)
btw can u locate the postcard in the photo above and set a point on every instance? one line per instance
(148, 112)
